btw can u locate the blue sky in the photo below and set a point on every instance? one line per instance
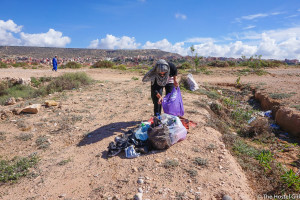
(270, 28)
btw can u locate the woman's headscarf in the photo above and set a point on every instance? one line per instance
(160, 66)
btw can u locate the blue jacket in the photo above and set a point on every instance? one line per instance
(54, 62)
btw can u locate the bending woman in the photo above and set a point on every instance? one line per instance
(162, 75)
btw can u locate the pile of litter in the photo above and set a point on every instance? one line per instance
(159, 132)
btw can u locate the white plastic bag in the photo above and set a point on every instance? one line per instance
(177, 130)
(192, 83)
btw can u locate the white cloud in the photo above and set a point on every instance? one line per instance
(113, 42)
(249, 27)
(6, 33)
(255, 16)
(50, 39)
(9, 25)
(271, 44)
(298, 10)
(199, 39)
(94, 44)
(250, 17)
(165, 45)
(180, 16)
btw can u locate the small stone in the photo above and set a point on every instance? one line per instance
(140, 190)
(226, 197)
(33, 109)
(134, 169)
(158, 160)
(11, 101)
(189, 181)
(140, 181)
(62, 195)
(220, 167)
(49, 103)
(138, 196)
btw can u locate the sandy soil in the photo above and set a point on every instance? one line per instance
(90, 118)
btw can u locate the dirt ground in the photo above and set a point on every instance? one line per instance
(90, 118)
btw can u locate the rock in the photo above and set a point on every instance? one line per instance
(32, 109)
(115, 197)
(17, 111)
(134, 169)
(11, 101)
(288, 120)
(62, 195)
(24, 81)
(140, 190)
(189, 181)
(138, 196)
(140, 181)
(6, 114)
(49, 103)
(19, 99)
(158, 160)
(226, 197)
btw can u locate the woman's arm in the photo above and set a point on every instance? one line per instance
(175, 81)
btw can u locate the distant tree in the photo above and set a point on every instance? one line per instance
(197, 58)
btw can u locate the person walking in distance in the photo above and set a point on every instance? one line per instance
(54, 63)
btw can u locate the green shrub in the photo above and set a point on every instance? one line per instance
(229, 102)
(3, 65)
(240, 147)
(218, 63)
(22, 91)
(103, 64)
(290, 179)
(68, 81)
(200, 161)
(296, 106)
(240, 115)
(35, 82)
(19, 64)
(265, 158)
(71, 65)
(186, 65)
(134, 78)
(42, 142)
(120, 67)
(16, 168)
(170, 164)
(231, 63)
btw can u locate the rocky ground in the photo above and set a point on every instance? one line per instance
(76, 134)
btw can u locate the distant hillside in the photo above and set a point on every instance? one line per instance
(49, 52)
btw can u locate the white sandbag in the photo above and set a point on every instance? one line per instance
(192, 83)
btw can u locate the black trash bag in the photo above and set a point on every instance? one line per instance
(159, 138)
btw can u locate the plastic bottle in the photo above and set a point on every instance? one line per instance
(141, 133)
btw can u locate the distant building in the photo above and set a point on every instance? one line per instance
(291, 62)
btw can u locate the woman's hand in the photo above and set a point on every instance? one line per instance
(160, 100)
(175, 84)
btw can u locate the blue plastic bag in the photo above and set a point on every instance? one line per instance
(172, 103)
